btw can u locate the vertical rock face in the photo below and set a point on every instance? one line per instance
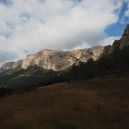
(118, 44)
(55, 60)
(115, 45)
(107, 50)
(85, 54)
(60, 60)
(124, 41)
(49, 59)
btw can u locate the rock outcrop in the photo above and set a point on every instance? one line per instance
(115, 45)
(124, 41)
(11, 65)
(55, 60)
(60, 60)
(49, 59)
(118, 44)
(106, 50)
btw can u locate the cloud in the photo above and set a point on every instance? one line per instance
(59, 24)
(6, 56)
(124, 17)
(127, 11)
(109, 40)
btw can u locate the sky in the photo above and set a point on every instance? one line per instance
(27, 26)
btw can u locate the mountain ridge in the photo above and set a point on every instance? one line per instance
(60, 60)
(85, 64)
(55, 60)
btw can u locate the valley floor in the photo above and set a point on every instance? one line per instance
(95, 104)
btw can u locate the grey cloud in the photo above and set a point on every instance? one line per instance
(6, 56)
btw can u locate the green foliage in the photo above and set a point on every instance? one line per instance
(25, 79)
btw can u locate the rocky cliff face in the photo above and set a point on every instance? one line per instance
(49, 59)
(118, 44)
(11, 65)
(124, 41)
(60, 60)
(55, 60)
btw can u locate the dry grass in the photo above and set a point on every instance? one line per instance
(96, 104)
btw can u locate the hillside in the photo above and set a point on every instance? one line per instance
(93, 104)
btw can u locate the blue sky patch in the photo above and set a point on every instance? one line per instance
(116, 29)
(6, 2)
(123, 10)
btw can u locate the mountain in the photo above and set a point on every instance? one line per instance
(49, 66)
(60, 60)
(118, 44)
(55, 60)
(11, 65)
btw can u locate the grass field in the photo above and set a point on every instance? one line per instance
(95, 104)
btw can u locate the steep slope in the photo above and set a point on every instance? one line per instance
(124, 41)
(60, 60)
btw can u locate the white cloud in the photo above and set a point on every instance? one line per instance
(127, 11)
(109, 40)
(55, 24)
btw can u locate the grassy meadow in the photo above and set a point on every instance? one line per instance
(91, 104)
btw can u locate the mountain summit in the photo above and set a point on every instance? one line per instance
(118, 44)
